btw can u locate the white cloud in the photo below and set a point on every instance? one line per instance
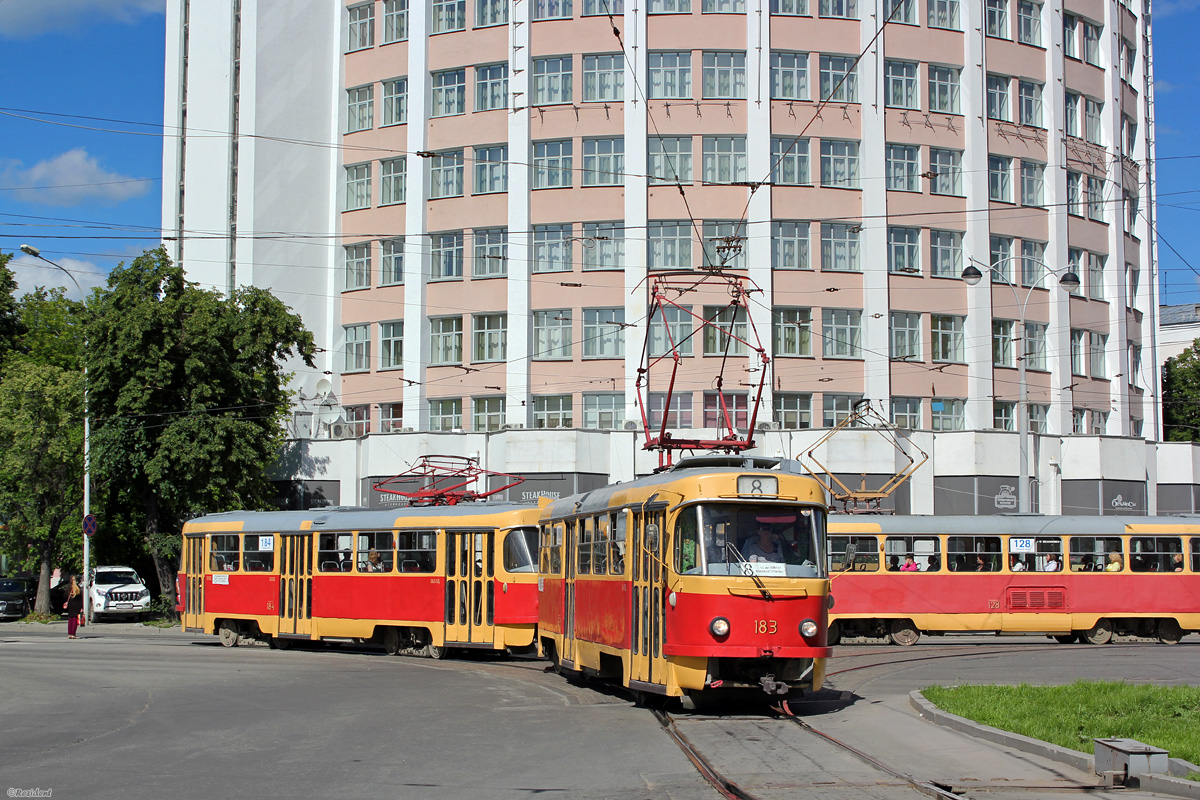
(25, 19)
(1167, 8)
(31, 273)
(69, 179)
(1162, 87)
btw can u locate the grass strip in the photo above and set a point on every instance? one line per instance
(1071, 716)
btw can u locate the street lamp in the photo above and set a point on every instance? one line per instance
(32, 251)
(1069, 281)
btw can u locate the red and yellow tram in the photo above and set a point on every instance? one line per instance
(1071, 577)
(702, 579)
(414, 579)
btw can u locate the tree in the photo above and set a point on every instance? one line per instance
(1181, 396)
(10, 318)
(187, 394)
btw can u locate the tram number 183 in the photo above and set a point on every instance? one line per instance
(767, 626)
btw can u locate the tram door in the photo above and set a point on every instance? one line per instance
(571, 548)
(295, 584)
(646, 629)
(193, 587)
(470, 587)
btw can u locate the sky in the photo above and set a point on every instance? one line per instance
(81, 93)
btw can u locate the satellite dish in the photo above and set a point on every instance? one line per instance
(324, 387)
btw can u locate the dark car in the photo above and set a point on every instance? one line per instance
(17, 596)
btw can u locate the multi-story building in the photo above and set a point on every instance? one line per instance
(464, 201)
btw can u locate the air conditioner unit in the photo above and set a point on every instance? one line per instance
(768, 426)
(511, 426)
(405, 430)
(341, 430)
(630, 425)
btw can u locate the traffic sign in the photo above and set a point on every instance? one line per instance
(89, 525)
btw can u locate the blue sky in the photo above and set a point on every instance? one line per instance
(87, 191)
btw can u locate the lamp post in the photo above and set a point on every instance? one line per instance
(32, 251)
(1069, 281)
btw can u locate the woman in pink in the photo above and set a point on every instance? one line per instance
(910, 565)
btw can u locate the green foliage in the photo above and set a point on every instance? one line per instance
(1181, 396)
(10, 320)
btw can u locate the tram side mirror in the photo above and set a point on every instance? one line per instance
(652, 537)
(851, 551)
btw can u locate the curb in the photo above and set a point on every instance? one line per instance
(1073, 758)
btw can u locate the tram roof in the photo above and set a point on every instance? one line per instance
(353, 517)
(1002, 524)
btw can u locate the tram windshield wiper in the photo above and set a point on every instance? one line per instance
(749, 570)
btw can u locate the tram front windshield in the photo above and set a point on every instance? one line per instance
(742, 539)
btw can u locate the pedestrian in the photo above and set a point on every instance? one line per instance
(74, 608)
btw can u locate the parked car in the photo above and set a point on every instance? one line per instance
(118, 591)
(17, 596)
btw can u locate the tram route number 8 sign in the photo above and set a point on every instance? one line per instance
(758, 484)
(1016, 545)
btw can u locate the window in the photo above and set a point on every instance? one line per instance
(724, 159)
(358, 266)
(836, 407)
(725, 76)
(551, 80)
(1000, 179)
(789, 162)
(1001, 250)
(670, 159)
(603, 332)
(1135, 366)
(670, 328)
(1091, 44)
(839, 164)
(445, 415)
(1032, 183)
(1002, 342)
(393, 181)
(361, 27)
(1076, 262)
(491, 169)
(947, 339)
(449, 93)
(948, 414)
(1092, 130)
(490, 337)
(552, 248)
(224, 555)
(724, 6)
(996, 18)
(905, 336)
(488, 414)
(490, 259)
(790, 8)
(1130, 201)
(669, 7)
(491, 87)
(604, 162)
(392, 261)
(1029, 23)
(904, 250)
(490, 12)
(1033, 262)
(1095, 198)
(395, 102)
(789, 245)
(793, 411)
(793, 332)
(1035, 345)
(1150, 554)
(1070, 36)
(1128, 60)
(900, 78)
(552, 164)
(604, 78)
(943, 89)
(974, 553)
(1029, 103)
(446, 255)
(391, 345)
(903, 167)
(446, 174)
(670, 76)
(1128, 136)
(789, 76)
(552, 411)
(722, 244)
(726, 333)
(1078, 420)
(1093, 554)
(944, 14)
(1077, 340)
(1003, 415)
(358, 348)
(841, 332)
(1097, 343)
(679, 415)
(737, 406)
(605, 411)
(903, 11)
(360, 109)
(997, 97)
(1037, 418)
(391, 417)
(603, 245)
(552, 9)
(1095, 276)
(358, 187)
(946, 166)
(840, 9)
(839, 247)
(1071, 114)
(552, 334)
(669, 245)
(1134, 278)
(449, 15)
(906, 413)
(1075, 193)
(945, 254)
(445, 340)
(839, 81)
(1099, 422)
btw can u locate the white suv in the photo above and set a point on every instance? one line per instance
(118, 591)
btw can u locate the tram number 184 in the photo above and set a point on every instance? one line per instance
(767, 626)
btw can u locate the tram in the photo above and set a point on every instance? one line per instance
(1078, 579)
(414, 579)
(699, 580)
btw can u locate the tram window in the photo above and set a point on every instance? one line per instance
(556, 548)
(260, 552)
(1096, 553)
(687, 543)
(744, 539)
(544, 551)
(1042, 554)
(416, 551)
(864, 557)
(224, 552)
(600, 546)
(1155, 553)
(333, 552)
(616, 560)
(375, 551)
(973, 553)
(519, 546)
(1196, 554)
(584, 526)
(925, 550)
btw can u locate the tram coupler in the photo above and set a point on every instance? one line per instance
(772, 686)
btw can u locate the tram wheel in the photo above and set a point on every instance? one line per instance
(834, 635)
(279, 644)
(434, 652)
(391, 641)
(904, 633)
(1069, 638)
(1169, 631)
(229, 634)
(1100, 633)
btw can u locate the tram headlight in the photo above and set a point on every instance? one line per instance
(719, 627)
(808, 629)
(829, 601)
